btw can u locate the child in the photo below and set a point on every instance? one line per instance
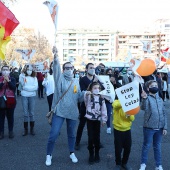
(95, 112)
(122, 135)
(155, 124)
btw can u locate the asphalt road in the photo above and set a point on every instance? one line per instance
(29, 152)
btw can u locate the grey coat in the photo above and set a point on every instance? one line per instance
(155, 116)
(67, 107)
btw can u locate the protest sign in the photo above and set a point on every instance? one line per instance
(42, 66)
(26, 54)
(108, 93)
(147, 46)
(129, 96)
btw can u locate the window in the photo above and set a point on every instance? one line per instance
(167, 25)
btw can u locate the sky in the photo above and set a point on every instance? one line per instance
(109, 14)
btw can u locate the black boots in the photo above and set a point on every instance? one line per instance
(1, 135)
(97, 157)
(25, 129)
(91, 156)
(32, 128)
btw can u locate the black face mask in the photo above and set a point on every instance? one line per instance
(109, 75)
(153, 90)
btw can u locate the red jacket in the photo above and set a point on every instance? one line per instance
(40, 76)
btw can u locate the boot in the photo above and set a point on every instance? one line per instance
(1, 135)
(25, 129)
(32, 128)
(11, 134)
(91, 156)
(97, 157)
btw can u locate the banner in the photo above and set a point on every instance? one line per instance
(147, 46)
(26, 54)
(53, 9)
(129, 96)
(109, 92)
(42, 66)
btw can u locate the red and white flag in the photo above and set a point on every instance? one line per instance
(53, 9)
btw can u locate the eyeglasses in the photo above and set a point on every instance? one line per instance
(69, 68)
(91, 68)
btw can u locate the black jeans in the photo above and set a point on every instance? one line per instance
(40, 89)
(122, 140)
(9, 114)
(81, 125)
(93, 129)
(50, 100)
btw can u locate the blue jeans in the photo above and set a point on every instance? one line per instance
(109, 111)
(28, 104)
(57, 123)
(149, 136)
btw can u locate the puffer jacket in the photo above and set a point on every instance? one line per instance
(155, 116)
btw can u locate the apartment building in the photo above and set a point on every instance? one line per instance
(163, 26)
(92, 45)
(133, 42)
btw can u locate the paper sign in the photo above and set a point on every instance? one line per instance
(109, 92)
(26, 54)
(42, 66)
(147, 46)
(129, 96)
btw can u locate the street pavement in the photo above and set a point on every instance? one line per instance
(29, 152)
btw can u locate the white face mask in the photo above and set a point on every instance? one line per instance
(95, 91)
(68, 72)
(5, 73)
(129, 72)
(29, 72)
(91, 71)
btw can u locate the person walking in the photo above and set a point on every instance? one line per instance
(40, 79)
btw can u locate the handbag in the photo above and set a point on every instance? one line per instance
(49, 115)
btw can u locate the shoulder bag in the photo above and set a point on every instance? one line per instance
(49, 115)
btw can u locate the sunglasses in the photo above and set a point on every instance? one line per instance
(68, 68)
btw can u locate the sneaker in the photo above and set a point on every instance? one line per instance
(73, 158)
(142, 167)
(77, 146)
(48, 160)
(108, 131)
(126, 167)
(117, 167)
(159, 168)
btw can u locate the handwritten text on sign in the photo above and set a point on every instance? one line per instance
(129, 96)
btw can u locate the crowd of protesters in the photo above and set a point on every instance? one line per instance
(78, 99)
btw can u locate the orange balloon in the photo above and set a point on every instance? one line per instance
(133, 111)
(146, 68)
(168, 61)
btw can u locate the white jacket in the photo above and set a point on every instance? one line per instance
(48, 83)
(29, 86)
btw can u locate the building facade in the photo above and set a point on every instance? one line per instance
(91, 45)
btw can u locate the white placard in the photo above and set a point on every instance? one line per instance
(129, 96)
(109, 92)
(26, 54)
(42, 66)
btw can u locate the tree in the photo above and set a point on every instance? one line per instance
(26, 38)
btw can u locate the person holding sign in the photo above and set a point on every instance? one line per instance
(96, 113)
(155, 124)
(122, 135)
